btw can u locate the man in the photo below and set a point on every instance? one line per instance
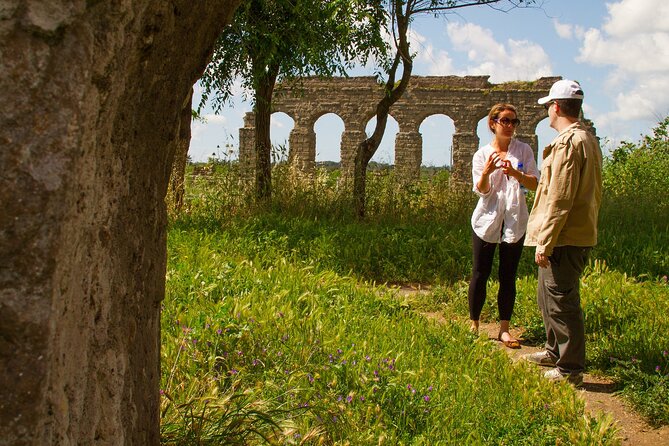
(563, 227)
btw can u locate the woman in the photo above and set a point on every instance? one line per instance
(500, 217)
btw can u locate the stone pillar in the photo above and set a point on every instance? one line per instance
(302, 141)
(531, 139)
(247, 150)
(350, 139)
(464, 147)
(408, 155)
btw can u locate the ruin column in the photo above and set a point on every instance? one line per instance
(464, 147)
(302, 141)
(351, 137)
(247, 142)
(408, 154)
(531, 139)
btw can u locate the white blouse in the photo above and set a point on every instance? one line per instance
(501, 213)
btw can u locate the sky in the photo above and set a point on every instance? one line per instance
(617, 50)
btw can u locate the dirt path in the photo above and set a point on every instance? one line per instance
(596, 392)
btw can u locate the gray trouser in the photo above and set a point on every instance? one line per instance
(560, 304)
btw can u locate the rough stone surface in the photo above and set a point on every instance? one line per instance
(91, 95)
(466, 100)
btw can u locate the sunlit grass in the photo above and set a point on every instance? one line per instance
(278, 326)
(298, 352)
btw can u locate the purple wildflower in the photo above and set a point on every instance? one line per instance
(426, 398)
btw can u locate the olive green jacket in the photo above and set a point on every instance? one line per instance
(566, 205)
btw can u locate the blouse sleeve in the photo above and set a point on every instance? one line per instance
(478, 162)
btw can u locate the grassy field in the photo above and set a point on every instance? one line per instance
(279, 327)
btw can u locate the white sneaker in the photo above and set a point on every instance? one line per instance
(555, 375)
(541, 358)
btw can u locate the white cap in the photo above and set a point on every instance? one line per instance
(564, 89)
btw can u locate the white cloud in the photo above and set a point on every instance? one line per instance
(634, 40)
(629, 17)
(435, 62)
(212, 118)
(567, 31)
(639, 53)
(503, 61)
(276, 122)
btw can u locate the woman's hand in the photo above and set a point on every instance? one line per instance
(493, 163)
(509, 171)
(529, 181)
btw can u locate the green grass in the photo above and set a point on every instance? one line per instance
(308, 353)
(278, 326)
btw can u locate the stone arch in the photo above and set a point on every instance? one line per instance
(92, 93)
(465, 99)
(427, 121)
(389, 140)
(275, 118)
(328, 117)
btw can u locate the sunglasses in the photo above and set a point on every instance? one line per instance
(548, 104)
(506, 122)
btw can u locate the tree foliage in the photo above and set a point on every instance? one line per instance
(639, 170)
(272, 40)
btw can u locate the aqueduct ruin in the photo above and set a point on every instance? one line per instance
(465, 99)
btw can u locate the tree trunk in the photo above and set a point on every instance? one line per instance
(91, 94)
(367, 148)
(177, 186)
(263, 113)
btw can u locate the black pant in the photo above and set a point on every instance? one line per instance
(509, 257)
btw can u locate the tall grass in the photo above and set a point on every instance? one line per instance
(314, 357)
(277, 327)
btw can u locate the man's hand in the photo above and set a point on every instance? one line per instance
(542, 260)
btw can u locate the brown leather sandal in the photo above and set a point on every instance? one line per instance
(511, 343)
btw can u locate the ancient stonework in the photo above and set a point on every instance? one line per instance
(91, 95)
(466, 100)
